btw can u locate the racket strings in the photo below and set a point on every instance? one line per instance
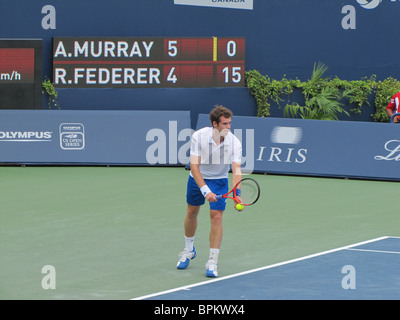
(249, 192)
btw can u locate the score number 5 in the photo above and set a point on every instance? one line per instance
(172, 48)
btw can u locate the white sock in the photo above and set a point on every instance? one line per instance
(189, 243)
(214, 254)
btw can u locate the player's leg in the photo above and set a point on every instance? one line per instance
(216, 231)
(194, 200)
(216, 234)
(191, 220)
(218, 186)
(189, 252)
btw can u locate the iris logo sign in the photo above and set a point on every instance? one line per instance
(284, 147)
(372, 4)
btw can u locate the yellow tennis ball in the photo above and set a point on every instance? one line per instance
(239, 207)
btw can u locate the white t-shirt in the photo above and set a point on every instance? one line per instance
(215, 160)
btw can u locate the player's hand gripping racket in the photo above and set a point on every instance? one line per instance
(246, 192)
(395, 118)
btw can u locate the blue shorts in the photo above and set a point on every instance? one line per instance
(218, 186)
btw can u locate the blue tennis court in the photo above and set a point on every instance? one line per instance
(365, 270)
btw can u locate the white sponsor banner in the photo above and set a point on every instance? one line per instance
(366, 150)
(230, 4)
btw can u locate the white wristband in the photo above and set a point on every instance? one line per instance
(205, 190)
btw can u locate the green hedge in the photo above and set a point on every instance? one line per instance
(323, 97)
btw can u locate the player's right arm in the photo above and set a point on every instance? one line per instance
(197, 176)
(195, 160)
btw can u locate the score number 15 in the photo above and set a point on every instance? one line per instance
(233, 74)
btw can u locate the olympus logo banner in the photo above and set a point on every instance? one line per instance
(95, 137)
(229, 4)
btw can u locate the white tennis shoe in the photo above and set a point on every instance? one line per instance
(185, 257)
(211, 269)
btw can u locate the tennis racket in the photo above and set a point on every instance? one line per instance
(247, 189)
(393, 117)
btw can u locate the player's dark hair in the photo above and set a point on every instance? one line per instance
(219, 111)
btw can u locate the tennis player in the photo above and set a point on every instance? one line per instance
(213, 151)
(394, 107)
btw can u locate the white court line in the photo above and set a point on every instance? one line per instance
(378, 251)
(188, 287)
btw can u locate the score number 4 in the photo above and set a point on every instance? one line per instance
(172, 76)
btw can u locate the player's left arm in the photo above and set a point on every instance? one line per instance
(236, 173)
(236, 161)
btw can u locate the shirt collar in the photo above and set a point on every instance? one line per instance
(225, 141)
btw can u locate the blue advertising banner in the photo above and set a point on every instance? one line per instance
(270, 145)
(94, 137)
(316, 147)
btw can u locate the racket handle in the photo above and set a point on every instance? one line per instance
(219, 196)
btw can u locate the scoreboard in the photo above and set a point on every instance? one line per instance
(20, 73)
(101, 62)
(17, 65)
